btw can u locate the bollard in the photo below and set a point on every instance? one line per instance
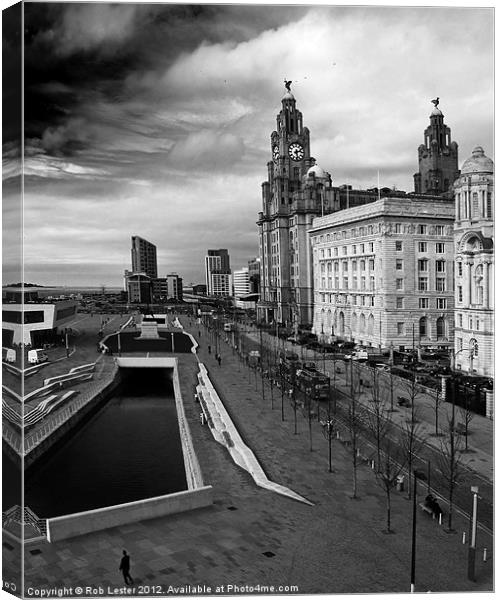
(357, 452)
(338, 434)
(440, 518)
(463, 537)
(484, 555)
(373, 464)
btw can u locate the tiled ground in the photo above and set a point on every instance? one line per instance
(336, 546)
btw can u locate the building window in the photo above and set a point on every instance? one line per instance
(422, 229)
(422, 246)
(488, 205)
(362, 265)
(354, 249)
(399, 302)
(335, 251)
(440, 248)
(460, 293)
(401, 328)
(441, 303)
(344, 250)
(399, 246)
(423, 302)
(422, 327)
(362, 248)
(346, 283)
(354, 265)
(399, 283)
(460, 269)
(397, 228)
(399, 264)
(440, 328)
(371, 246)
(372, 283)
(423, 284)
(440, 284)
(371, 264)
(344, 266)
(460, 320)
(423, 264)
(440, 266)
(439, 229)
(460, 343)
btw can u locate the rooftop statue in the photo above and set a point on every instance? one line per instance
(435, 101)
(287, 85)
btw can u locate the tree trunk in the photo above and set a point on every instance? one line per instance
(388, 496)
(450, 503)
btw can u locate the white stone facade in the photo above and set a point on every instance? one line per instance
(383, 273)
(474, 265)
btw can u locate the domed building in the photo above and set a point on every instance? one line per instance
(474, 265)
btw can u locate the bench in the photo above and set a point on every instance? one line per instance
(427, 509)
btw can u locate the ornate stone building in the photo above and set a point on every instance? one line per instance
(474, 265)
(383, 273)
(437, 158)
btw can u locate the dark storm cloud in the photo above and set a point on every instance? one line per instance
(76, 53)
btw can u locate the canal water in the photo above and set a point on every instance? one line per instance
(130, 449)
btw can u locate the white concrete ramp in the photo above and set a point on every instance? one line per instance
(225, 432)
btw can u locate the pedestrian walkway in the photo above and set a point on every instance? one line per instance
(251, 536)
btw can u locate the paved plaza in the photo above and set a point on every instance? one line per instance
(253, 537)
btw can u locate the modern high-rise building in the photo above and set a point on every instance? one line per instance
(218, 273)
(241, 282)
(437, 158)
(167, 288)
(144, 257)
(254, 275)
(474, 265)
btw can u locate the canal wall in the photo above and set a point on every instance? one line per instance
(40, 447)
(60, 528)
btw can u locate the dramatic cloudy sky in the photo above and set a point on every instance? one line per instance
(154, 120)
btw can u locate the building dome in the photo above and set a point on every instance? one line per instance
(478, 163)
(436, 112)
(317, 171)
(288, 96)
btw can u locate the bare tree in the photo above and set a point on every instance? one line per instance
(450, 462)
(466, 414)
(377, 420)
(354, 424)
(392, 463)
(437, 396)
(412, 439)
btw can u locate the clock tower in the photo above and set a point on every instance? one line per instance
(287, 212)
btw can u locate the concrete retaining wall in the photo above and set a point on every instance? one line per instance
(60, 528)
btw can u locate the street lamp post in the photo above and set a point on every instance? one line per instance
(413, 534)
(472, 548)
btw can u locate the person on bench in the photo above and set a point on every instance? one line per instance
(433, 504)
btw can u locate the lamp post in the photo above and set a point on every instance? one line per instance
(413, 534)
(328, 432)
(472, 547)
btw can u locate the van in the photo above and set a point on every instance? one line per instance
(10, 356)
(37, 356)
(360, 355)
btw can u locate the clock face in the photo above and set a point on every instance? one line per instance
(296, 151)
(276, 152)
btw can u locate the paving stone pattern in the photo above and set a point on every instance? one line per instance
(336, 546)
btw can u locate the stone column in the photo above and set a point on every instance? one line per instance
(468, 284)
(486, 284)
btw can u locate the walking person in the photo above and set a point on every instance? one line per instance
(125, 568)
(209, 349)
(219, 359)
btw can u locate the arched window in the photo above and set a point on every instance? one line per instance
(354, 322)
(341, 323)
(441, 328)
(474, 347)
(362, 323)
(422, 327)
(371, 324)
